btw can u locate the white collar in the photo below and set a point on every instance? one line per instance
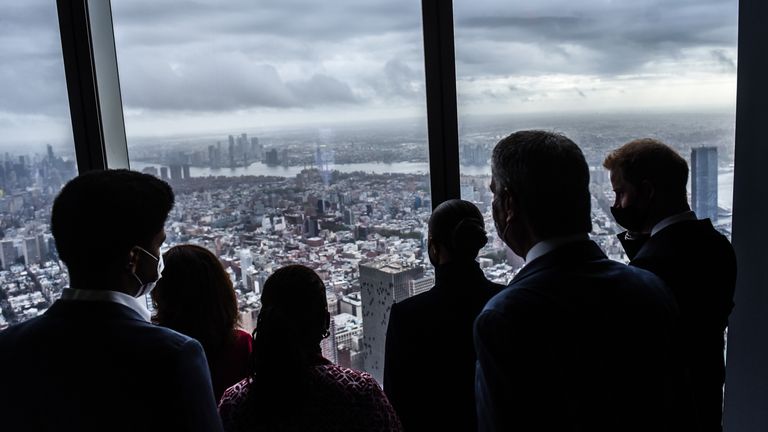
(109, 296)
(546, 246)
(680, 217)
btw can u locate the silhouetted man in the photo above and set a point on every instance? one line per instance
(576, 342)
(696, 262)
(93, 361)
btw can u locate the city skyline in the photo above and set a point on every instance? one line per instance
(336, 222)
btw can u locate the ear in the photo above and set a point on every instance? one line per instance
(510, 208)
(327, 321)
(133, 259)
(647, 191)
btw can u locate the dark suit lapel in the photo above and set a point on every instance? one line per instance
(667, 237)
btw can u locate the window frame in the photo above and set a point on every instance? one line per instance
(92, 77)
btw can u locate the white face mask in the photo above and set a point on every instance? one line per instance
(146, 288)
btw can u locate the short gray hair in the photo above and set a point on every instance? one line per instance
(547, 175)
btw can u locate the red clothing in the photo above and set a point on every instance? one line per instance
(340, 399)
(230, 365)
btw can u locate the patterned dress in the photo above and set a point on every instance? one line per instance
(339, 399)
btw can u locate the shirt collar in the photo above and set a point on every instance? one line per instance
(137, 304)
(680, 217)
(546, 246)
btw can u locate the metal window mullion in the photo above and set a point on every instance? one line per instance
(746, 387)
(442, 114)
(90, 65)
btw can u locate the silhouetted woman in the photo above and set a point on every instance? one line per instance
(292, 387)
(429, 369)
(195, 297)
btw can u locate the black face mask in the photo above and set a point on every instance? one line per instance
(631, 218)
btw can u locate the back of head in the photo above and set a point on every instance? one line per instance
(458, 226)
(651, 160)
(548, 177)
(195, 297)
(296, 290)
(100, 215)
(293, 320)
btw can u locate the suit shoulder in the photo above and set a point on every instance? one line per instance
(414, 305)
(520, 298)
(165, 337)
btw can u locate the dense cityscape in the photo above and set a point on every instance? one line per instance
(363, 231)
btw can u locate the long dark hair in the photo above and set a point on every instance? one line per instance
(195, 297)
(293, 320)
(458, 226)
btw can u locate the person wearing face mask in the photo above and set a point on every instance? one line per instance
(429, 366)
(93, 361)
(697, 263)
(576, 342)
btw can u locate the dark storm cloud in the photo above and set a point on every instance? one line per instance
(306, 20)
(606, 37)
(221, 83)
(31, 67)
(223, 55)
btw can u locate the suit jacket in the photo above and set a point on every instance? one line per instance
(98, 366)
(429, 368)
(699, 266)
(577, 342)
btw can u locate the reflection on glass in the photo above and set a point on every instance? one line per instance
(36, 157)
(292, 132)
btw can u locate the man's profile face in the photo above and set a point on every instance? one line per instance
(625, 192)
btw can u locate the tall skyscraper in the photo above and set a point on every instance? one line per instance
(246, 260)
(328, 345)
(176, 172)
(231, 151)
(382, 284)
(10, 253)
(704, 182)
(272, 157)
(31, 251)
(256, 148)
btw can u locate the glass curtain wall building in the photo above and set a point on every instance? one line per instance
(324, 133)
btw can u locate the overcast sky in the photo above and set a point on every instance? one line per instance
(213, 65)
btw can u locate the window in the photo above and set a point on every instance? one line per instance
(602, 74)
(36, 157)
(292, 132)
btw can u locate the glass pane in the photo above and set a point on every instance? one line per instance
(292, 132)
(36, 157)
(603, 73)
